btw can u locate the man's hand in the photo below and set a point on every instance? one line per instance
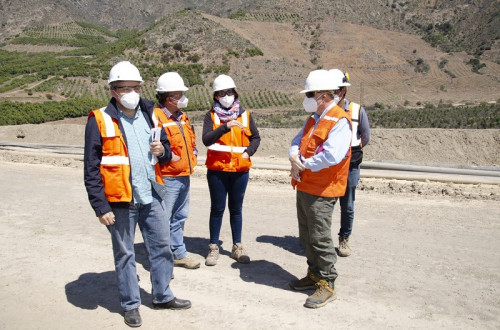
(156, 148)
(175, 158)
(297, 163)
(295, 174)
(107, 219)
(245, 155)
(297, 167)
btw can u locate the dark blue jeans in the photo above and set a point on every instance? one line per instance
(347, 203)
(230, 185)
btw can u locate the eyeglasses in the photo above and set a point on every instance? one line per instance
(311, 94)
(223, 93)
(175, 96)
(128, 89)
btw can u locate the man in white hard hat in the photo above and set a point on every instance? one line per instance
(360, 138)
(176, 173)
(320, 157)
(125, 189)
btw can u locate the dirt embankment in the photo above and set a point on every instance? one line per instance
(458, 148)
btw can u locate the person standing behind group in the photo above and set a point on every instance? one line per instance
(231, 137)
(360, 138)
(176, 173)
(319, 155)
(125, 189)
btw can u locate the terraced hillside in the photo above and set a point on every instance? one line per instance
(268, 53)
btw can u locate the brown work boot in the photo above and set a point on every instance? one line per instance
(323, 295)
(306, 283)
(186, 262)
(344, 250)
(240, 254)
(213, 255)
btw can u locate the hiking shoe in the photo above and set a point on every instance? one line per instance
(240, 254)
(213, 255)
(323, 295)
(132, 318)
(306, 283)
(344, 250)
(186, 262)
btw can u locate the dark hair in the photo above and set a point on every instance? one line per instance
(235, 95)
(161, 97)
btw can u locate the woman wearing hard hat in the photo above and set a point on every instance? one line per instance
(231, 137)
(176, 173)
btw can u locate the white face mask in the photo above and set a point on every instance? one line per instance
(130, 100)
(227, 101)
(310, 104)
(336, 99)
(182, 102)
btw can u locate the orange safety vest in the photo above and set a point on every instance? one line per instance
(182, 142)
(330, 181)
(225, 154)
(115, 163)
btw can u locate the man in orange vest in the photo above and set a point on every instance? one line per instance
(176, 173)
(125, 188)
(319, 156)
(360, 138)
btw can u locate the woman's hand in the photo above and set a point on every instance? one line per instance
(234, 122)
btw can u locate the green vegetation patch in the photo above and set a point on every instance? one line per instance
(17, 113)
(443, 116)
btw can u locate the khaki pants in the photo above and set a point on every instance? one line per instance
(314, 214)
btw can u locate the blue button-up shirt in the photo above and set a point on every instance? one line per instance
(138, 135)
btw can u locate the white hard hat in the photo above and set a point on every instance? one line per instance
(223, 82)
(340, 78)
(319, 80)
(124, 71)
(170, 82)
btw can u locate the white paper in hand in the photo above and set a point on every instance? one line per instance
(155, 136)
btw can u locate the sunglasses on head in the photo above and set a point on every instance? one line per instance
(228, 92)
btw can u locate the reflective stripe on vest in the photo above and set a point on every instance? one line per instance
(115, 164)
(330, 181)
(354, 110)
(221, 147)
(182, 143)
(226, 154)
(115, 160)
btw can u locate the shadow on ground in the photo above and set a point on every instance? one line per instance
(199, 245)
(289, 243)
(265, 273)
(91, 290)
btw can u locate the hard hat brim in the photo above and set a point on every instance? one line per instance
(184, 89)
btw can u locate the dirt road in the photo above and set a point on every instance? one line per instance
(419, 261)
